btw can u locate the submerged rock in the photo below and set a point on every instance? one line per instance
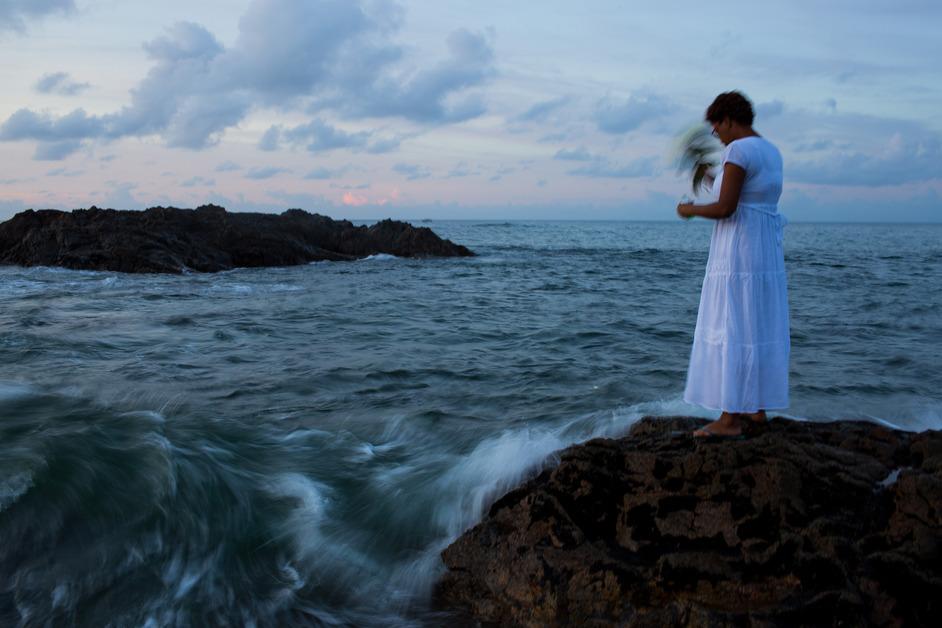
(797, 524)
(207, 239)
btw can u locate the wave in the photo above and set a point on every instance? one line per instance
(378, 257)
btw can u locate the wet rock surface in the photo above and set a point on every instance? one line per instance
(207, 239)
(835, 524)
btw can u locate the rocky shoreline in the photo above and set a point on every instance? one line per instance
(205, 239)
(798, 523)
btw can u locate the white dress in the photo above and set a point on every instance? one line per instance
(741, 345)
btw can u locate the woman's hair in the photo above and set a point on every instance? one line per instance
(732, 105)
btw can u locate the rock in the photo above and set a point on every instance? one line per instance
(207, 239)
(836, 524)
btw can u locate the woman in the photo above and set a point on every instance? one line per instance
(741, 345)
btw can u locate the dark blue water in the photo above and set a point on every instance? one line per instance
(295, 446)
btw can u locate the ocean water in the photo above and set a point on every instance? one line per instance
(295, 446)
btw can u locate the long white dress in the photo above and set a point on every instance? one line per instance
(741, 345)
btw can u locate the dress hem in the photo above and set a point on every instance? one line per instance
(764, 407)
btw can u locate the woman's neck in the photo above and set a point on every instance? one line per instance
(739, 131)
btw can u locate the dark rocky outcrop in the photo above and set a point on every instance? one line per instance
(207, 239)
(799, 524)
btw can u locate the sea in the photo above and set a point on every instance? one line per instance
(296, 446)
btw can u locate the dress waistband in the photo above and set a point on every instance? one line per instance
(762, 207)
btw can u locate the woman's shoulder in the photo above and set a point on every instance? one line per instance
(752, 144)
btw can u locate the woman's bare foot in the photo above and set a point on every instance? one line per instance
(727, 425)
(755, 417)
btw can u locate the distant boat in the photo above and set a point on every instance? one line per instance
(426, 220)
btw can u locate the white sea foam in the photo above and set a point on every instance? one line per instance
(14, 487)
(13, 391)
(378, 257)
(472, 482)
(304, 524)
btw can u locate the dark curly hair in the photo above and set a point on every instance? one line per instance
(733, 105)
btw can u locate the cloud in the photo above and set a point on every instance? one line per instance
(553, 137)
(56, 151)
(385, 145)
(319, 174)
(618, 117)
(264, 173)
(15, 13)
(541, 110)
(307, 55)
(318, 136)
(432, 95)
(900, 160)
(577, 154)
(58, 137)
(228, 166)
(59, 83)
(121, 196)
(26, 124)
(810, 147)
(501, 173)
(768, 109)
(63, 172)
(197, 181)
(601, 167)
(461, 169)
(354, 200)
(850, 149)
(412, 171)
(269, 141)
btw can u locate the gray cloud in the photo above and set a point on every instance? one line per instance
(768, 109)
(623, 116)
(58, 137)
(14, 14)
(25, 124)
(461, 169)
(269, 141)
(197, 181)
(318, 136)
(553, 137)
(63, 172)
(59, 83)
(902, 160)
(319, 174)
(810, 147)
(412, 171)
(295, 54)
(228, 166)
(601, 167)
(427, 96)
(576, 154)
(385, 145)
(851, 149)
(264, 173)
(56, 151)
(541, 110)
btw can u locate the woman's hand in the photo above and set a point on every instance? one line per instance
(685, 210)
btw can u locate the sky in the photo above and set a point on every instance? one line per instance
(454, 109)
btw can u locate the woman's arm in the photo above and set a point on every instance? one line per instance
(733, 178)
